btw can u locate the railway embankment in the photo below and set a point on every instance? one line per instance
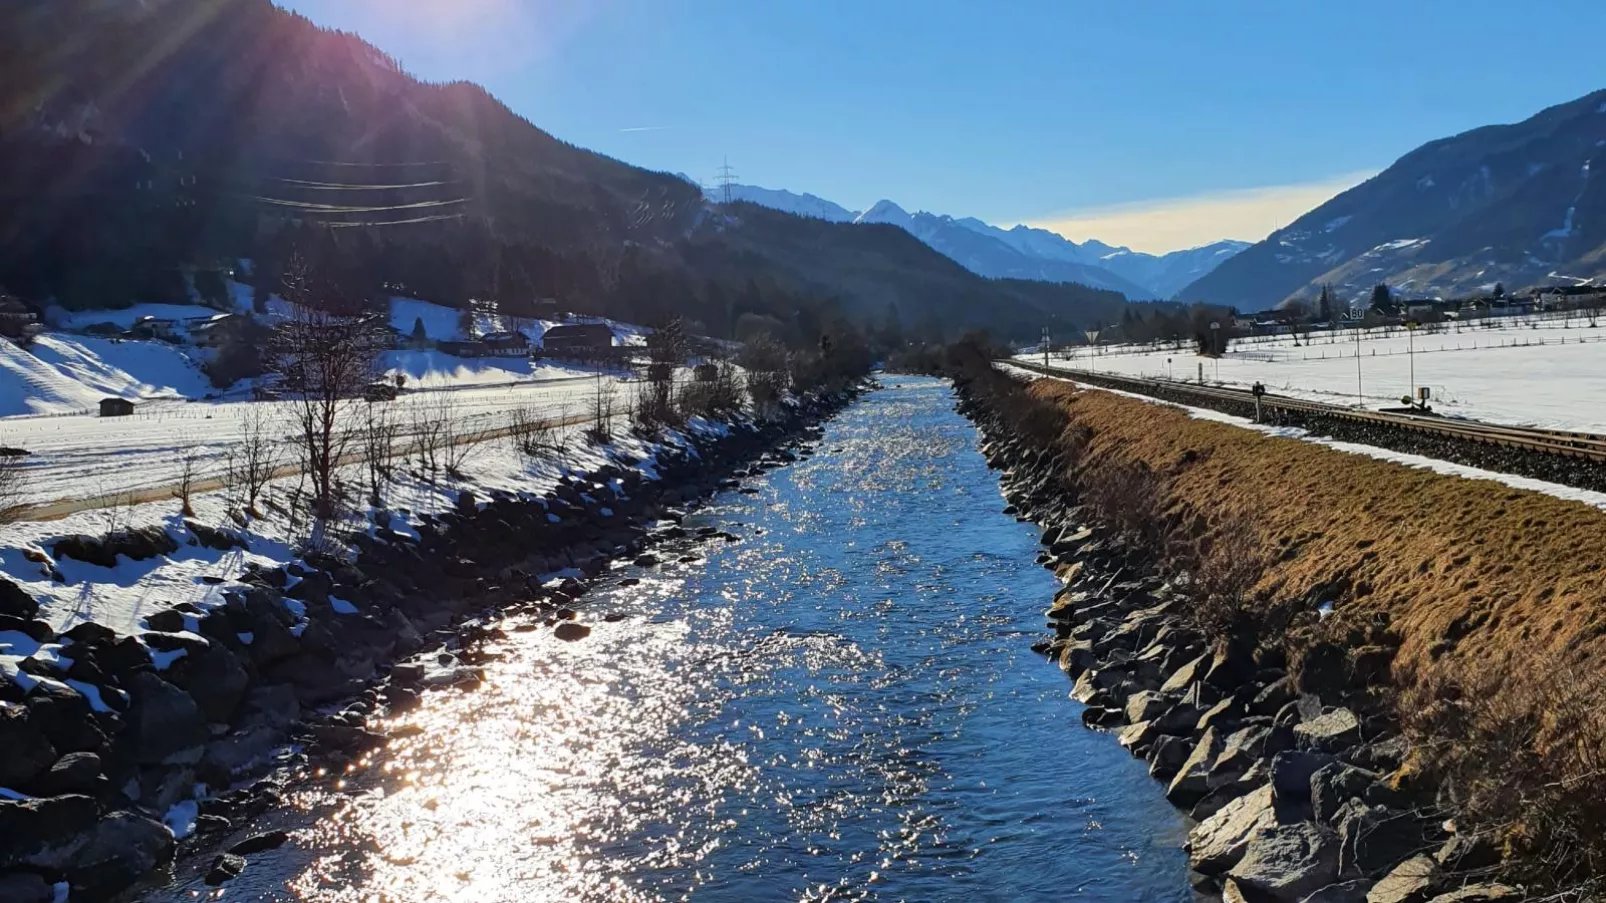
(1362, 680)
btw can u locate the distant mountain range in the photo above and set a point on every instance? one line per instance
(1515, 205)
(1019, 253)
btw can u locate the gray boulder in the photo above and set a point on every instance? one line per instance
(1343, 892)
(77, 772)
(1186, 676)
(25, 887)
(1413, 881)
(44, 833)
(1291, 772)
(1334, 784)
(1333, 732)
(1167, 756)
(1192, 780)
(1375, 838)
(1146, 706)
(1287, 863)
(164, 721)
(1217, 843)
(1480, 893)
(26, 751)
(123, 848)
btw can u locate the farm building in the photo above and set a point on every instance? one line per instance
(116, 407)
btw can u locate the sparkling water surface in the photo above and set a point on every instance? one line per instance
(842, 706)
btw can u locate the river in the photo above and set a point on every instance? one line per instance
(842, 706)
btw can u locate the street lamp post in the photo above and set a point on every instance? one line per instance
(1410, 353)
(1360, 400)
(1215, 342)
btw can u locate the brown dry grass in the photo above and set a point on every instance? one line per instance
(1467, 572)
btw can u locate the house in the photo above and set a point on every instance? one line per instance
(17, 321)
(506, 344)
(154, 328)
(580, 338)
(462, 349)
(116, 407)
(220, 330)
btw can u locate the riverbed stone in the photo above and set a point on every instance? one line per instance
(77, 772)
(15, 602)
(1217, 843)
(1412, 881)
(1286, 863)
(225, 867)
(1186, 676)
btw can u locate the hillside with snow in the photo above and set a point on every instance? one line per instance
(1517, 205)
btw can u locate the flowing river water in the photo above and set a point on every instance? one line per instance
(842, 706)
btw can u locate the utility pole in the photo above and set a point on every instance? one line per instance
(1045, 347)
(727, 178)
(1360, 400)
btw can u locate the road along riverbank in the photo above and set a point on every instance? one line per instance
(1321, 656)
(118, 746)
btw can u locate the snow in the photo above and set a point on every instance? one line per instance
(1336, 223)
(1566, 228)
(341, 606)
(126, 317)
(63, 374)
(1588, 497)
(181, 818)
(161, 660)
(1545, 375)
(93, 694)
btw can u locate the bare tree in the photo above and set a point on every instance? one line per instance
(251, 462)
(325, 362)
(379, 434)
(460, 442)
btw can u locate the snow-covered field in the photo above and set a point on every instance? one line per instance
(1548, 375)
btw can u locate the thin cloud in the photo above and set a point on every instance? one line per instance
(1170, 224)
(646, 128)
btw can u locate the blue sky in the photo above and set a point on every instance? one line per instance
(1163, 123)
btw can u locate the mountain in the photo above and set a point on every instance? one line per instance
(1161, 276)
(796, 204)
(1022, 252)
(145, 143)
(988, 255)
(1518, 205)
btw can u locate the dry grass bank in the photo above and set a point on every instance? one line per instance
(1467, 572)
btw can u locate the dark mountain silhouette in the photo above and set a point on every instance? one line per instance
(142, 140)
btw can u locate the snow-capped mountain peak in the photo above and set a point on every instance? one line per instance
(1021, 252)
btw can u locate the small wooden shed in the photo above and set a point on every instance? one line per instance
(116, 407)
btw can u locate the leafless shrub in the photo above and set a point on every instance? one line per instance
(461, 442)
(379, 436)
(1128, 498)
(431, 421)
(654, 406)
(1222, 572)
(713, 398)
(532, 437)
(600, 432)
(116, 511)
(1520, 746)
(12, 483)
(189, 474)
(250, 464)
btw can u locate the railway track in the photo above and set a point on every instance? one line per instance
(1283, 409)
